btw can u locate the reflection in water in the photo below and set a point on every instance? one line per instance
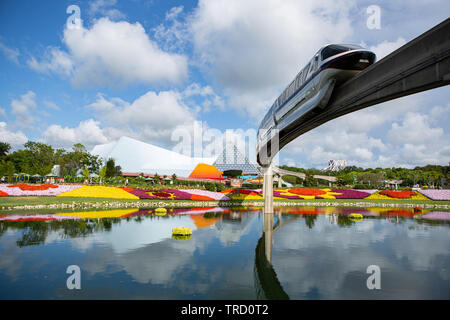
(298, 253)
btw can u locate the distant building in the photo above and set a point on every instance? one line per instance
(336, 165)
(136, 156)
(232, 159)
(139, 158)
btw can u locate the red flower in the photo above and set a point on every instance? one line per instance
(404, 194)
(3, 194)
(28, 187)
(307, 192)
(249, 192)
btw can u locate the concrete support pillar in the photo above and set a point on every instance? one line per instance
(280, 182)
(268, 189)
(268, 210)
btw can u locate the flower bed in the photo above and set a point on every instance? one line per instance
(305, 193)
(397, 195)
(98, 192)
(21, 190)
(404, 194)
(350, 194)
(243, 194)
(436, 194)
(174, 195)
(31, 187)
(210, 194)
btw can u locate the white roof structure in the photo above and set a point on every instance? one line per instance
(136, 156)
(336, 165)
(232, 159)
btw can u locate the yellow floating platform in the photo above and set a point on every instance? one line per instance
(181, 231)
(355, 216)
(178, 237)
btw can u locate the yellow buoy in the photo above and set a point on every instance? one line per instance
(355, 216)
(160, 211)
(178, 237)
(181, 231)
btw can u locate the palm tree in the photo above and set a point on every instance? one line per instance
(86, 173)
(102, 174)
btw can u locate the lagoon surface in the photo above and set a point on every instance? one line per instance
(316, 253)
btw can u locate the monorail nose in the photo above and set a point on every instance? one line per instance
(358, 60)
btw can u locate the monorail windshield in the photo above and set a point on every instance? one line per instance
(265, 122)
(334, 49)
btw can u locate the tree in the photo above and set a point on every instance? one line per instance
(75, 160)
(10, 170)
(4, 149)
(102, 174)
(374, 179)
(110, 168)
(86, 173)
(40, 158)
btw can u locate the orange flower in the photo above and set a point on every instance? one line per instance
(307, 192)
(398, 194)
(200, 197)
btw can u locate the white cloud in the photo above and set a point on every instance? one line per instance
(15, 139)
(414, 129)
(55, 61)
(23, 109)
(386, 47)
(2, 112)
(87, 132)
(104, 8)
(151, 117)
(11, 54)
(52, 105)
(112, 53)
(173, 34)
(208, 97)
(254, 48)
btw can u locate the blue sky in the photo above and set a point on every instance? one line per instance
(147, 69)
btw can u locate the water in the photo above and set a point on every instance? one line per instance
(316, 253)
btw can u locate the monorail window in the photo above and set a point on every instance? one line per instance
(305, 73)
(316, 62)
(334, 49)
(267, 118)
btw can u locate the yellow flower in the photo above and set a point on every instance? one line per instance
(99, 192)
(379, 196)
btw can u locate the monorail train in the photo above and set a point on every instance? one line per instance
(312, 87)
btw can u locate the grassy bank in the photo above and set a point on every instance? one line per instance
(33, 203)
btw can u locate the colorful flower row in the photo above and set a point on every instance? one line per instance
(20, 190)
(204, 195)
(99, 192)
(436, 194)
(33, 187)
(397, 195)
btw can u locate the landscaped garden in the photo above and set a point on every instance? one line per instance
(54, 193)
